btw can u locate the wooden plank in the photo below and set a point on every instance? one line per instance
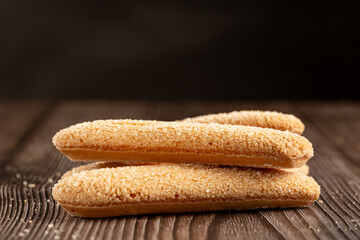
(333, 166)
(17, 122)
(28, 210)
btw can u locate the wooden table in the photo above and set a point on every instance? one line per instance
(30, 166)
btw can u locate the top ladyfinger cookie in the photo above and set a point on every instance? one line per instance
(183, 142)
(266, 119)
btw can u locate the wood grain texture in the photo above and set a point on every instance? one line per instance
(30, 166)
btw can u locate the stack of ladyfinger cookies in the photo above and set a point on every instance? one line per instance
(229, 161)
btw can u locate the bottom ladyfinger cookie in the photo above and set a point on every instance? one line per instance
(149, 189)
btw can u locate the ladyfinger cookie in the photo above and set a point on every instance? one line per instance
(183, 142)
(265, 119)
(149, 189)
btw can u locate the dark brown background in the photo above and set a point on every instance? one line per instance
(179, 49)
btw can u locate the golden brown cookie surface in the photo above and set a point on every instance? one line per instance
(265, 119)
